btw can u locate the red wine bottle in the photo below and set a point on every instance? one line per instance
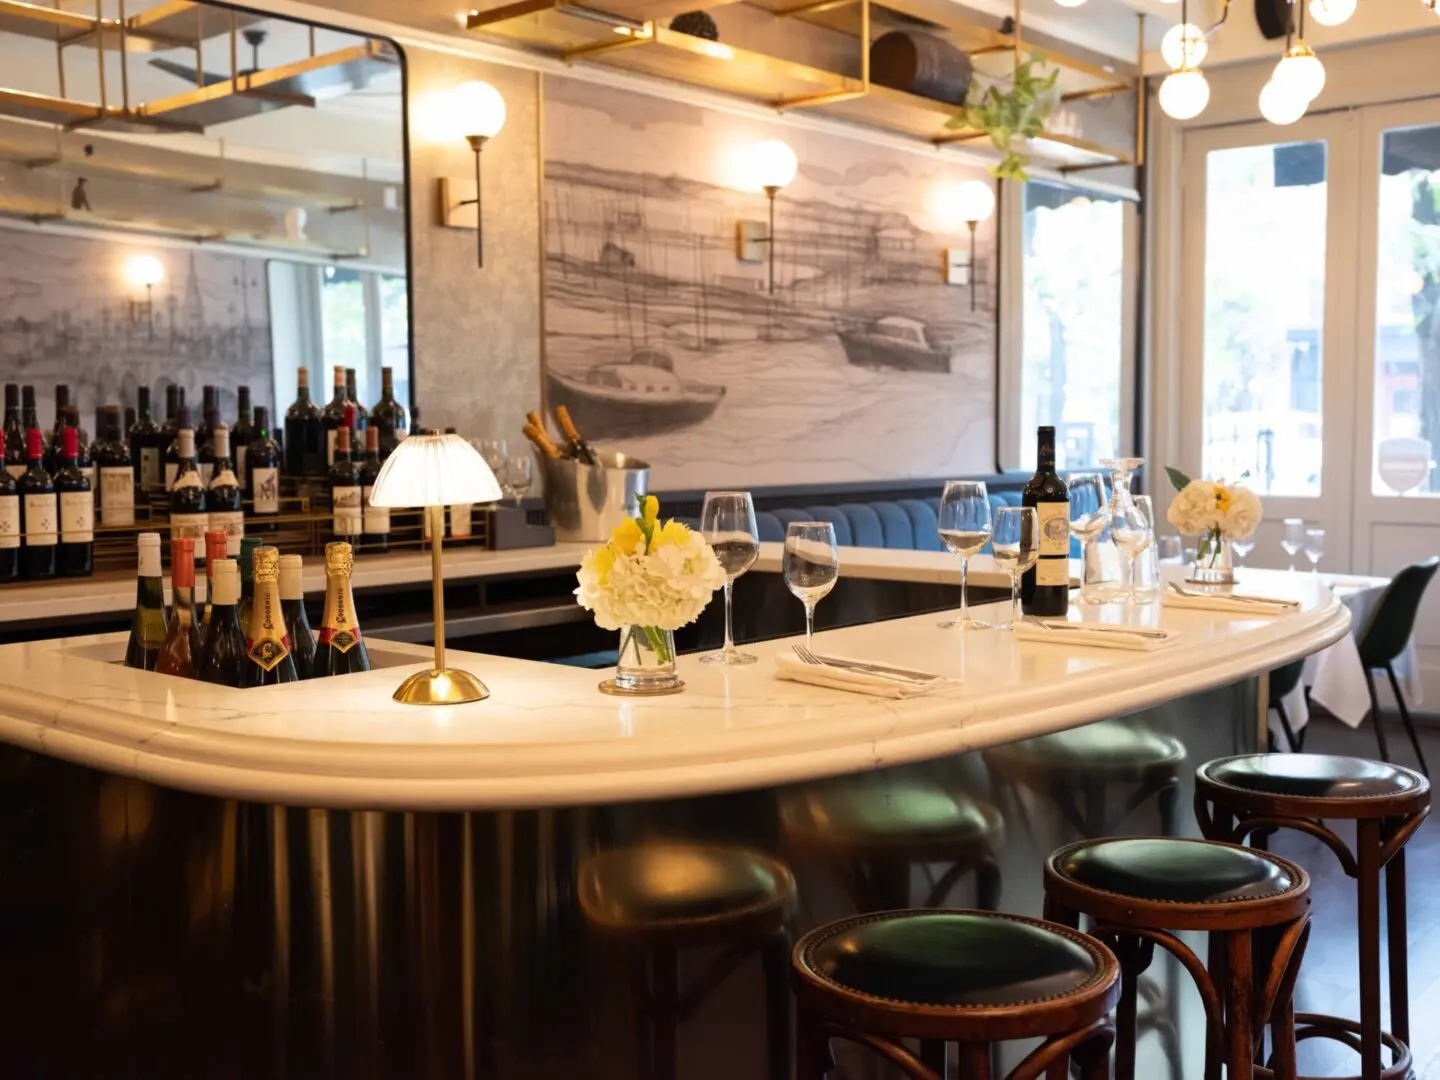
(75, 554)
(113, 470)
(9, 528)
(189, 513)
(205, 445)
(150, 624)
(57, 433)
(1045, 587)
(39, 513)
(304, 434)
(361, 418)
(346, 494)
(341, 648)
(146, 450)
(223, 660)
(262, 461)
(223, 501)
(242, 432)
(388, 415)
(15, 461)
(332, 417)
(375, 522)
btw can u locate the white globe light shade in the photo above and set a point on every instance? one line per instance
(1331, 12)
(1069, 3)
(434, 470)
(1184, 46)
(479, 109)
(144, 271)
(1301, 71)
(1184, 95)
(973, 200)
(774, 164)
(1281, 103)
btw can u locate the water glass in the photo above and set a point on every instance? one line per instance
(727, 521)
(1314, 546)
(812, 566)
(1133, 532)
(1089, 517)
(1145, 569)
(965, 524)
(1293, 538)
(1015, 545)
(517, 476)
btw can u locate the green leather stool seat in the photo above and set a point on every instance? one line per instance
(1105, 744)
(952, 959)
(670, 885)
(1174, 871)
(875, 809)
(1312, 776)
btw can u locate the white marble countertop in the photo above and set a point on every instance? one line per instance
(547, 737)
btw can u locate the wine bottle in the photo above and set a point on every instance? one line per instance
(205, 446)
(150, 624)
(332, 417)
(267, 646)
(375, 523)
(130, 417)
(39, 513)
(189, 512)
(172, 416)
(75, 554)
(146, 449)
(223, 660)
(9, 527)
(172, 449)
(15, 463)
(262, 461)
(223, 500)
(248, 547)
(297, 621)
(56, 443)
(362, 418)
(215, 550)
(83, 461)
(1045, 587)
(341, 650)
(304, 434)
(29, 415)
(181, 650)
(208, 413)
(346, 493)
(113, 464)
(242, 432)
(388, 415)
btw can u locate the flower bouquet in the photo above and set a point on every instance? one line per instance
(1218, 513)
(647, 582)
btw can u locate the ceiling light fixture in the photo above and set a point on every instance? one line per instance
(1184, 93)
(1298, 78)
(1184, 46)
(1331, 12)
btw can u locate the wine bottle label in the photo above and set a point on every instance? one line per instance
(207, 469)
(192, 525)
(232, 524)
(89, 473)
(271, 644)
(267, 491)
(241, 453)
(42, 521)
(17, 471)
(341, 630)
(150, 467)
(9, 521)
(349, 517)
(172, 468)
(117, 495)
(330, 447)
(221, 479)
(77, 517)
(1053, 566)
(460, 521)
(377, 518)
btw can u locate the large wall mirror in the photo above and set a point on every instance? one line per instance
(198, 194)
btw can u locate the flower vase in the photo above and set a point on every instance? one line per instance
(1214, 563)
(647, 661)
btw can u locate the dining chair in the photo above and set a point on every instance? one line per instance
(1283, 681)
(1384, 638)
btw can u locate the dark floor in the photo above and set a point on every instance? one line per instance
(1328, 980)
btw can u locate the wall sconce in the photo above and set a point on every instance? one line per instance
(480, 114)
(773, 165)
(972, 202)
(147, 271)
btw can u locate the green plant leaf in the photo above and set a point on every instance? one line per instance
(1178, 478)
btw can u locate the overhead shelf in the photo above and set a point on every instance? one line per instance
(51, 24)
(174, 24)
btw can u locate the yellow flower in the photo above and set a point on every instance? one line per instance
(1222, 498)
(672, 533)
(628, 538)
(650, 509)
(604, 560)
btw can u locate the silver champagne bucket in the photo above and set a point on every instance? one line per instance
(586, 502)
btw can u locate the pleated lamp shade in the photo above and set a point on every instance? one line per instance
(434, 470)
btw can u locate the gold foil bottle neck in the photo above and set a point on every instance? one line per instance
(339, 559)
(267, 564)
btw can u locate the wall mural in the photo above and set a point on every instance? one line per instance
(66, 316)
(863, 364)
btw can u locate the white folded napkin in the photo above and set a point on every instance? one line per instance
(1098, 635)
(876, 684)
(1234, 603)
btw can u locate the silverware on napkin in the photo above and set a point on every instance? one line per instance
(807, 656)
(1101, 628)
(1262, 601)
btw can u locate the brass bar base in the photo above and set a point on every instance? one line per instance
(448, 687)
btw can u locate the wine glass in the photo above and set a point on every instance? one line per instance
(1241, 548)
(1133, 533)
(812, 565)
(1145, 571)
(518, 475)
(495, 453)
(727, 521)
(1293, 539)
(1016, 547)
(1314, 546)
(1089, 514)
(1171, 548)
(965, 523)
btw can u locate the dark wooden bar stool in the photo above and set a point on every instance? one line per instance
(968, 977)
(653, 901)
(1141, 891)
(1252, 795)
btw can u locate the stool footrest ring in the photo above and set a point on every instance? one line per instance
(1320, 1026)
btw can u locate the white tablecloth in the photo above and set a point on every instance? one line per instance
(1335, 676)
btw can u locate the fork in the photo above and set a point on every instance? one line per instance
(1263, 601)
(808, 657)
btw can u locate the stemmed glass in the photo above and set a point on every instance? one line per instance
(1242, 548)
(1293, 539)
(727, 521)
(812, 565)
(1089, 514)
(965, 524)
(1133, 533)
(1145, 571)
(1314, 547)
(518, 475)
(1016, 547)
(495, 453)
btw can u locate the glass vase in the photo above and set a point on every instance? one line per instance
(1214, 562)
(647, 661)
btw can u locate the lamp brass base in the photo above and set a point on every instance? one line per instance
(448, 687)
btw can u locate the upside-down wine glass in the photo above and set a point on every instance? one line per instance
(812, 565)
(1133, 533)
(1314, 546)
(965, 523)
(727, 521)
(1293, 539)
(1089, 514)
(1015, 545)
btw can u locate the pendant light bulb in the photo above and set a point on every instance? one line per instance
(1331, 12)
(1069, 3)
(1184, 46)
(1281, 103)
(1184, 94)
(1301, 71)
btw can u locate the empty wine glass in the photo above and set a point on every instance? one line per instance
(1133, 533)
(518, 475)
(965, 524)
(1314, 546)
(1171, 548)
(1241, 548)
(1293, 538)
(812, 565)
(1015, 545)
(1089, 514)
(1145, 570)
(495, 453)
(727, 520)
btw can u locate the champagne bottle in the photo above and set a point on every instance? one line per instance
(146, 451)
(332, 417)
(189, 514)
(346, 493)
(304, 434)
(1045, 587)
(248, 547)
(361, 419)
(375, 523)
(262, 461)
(150, 624)
(57, 433)
(216, 545)
(39, 513)
(341, 650)
(580, 450)
(388, 415)
(267, 646)
(179, 653)
(223, 662)
(75, 554)
(113, 466)
(15, 463)
(242, 432)
(9, 528)
(223, 501)
(297, 621)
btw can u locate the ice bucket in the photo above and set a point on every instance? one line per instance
(585, 502)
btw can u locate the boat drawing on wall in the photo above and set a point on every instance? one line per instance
(639, 396)
(895, 342)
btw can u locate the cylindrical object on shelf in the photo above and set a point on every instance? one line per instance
(922, 64)
(586, 502)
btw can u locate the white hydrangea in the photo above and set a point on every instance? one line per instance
(666, 589)
(1244, 513)
(1193, 510)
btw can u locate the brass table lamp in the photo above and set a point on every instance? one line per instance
(433, 472)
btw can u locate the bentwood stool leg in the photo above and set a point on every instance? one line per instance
(1398, 943)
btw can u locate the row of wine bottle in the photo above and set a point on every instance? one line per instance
(240, 637)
